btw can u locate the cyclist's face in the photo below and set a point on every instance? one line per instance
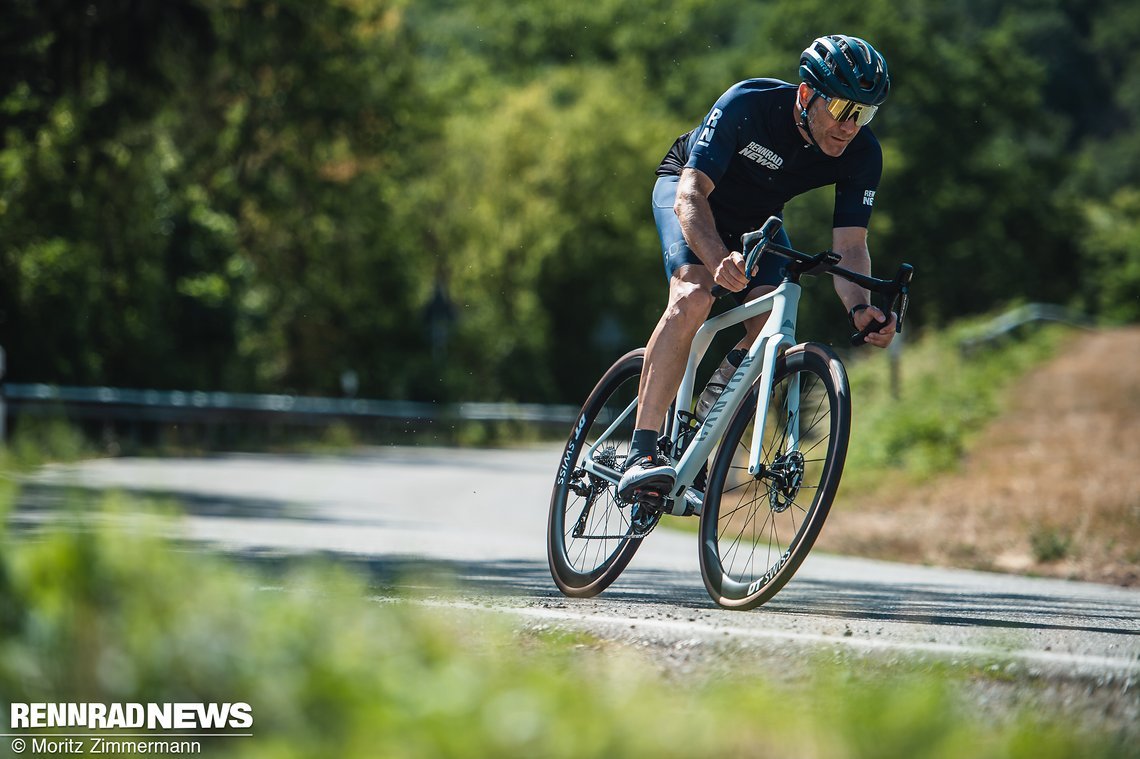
(833, 136)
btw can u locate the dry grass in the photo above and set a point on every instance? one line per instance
(1052, 487)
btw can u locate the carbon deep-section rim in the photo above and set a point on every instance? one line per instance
(756, 531)
(588, 531)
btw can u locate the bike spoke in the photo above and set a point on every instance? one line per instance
(734, 546)
(727, 516)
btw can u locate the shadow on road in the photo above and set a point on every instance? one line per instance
(392, 575)
(39, 504)
(927, 605)
(912, 604)
(46, 498)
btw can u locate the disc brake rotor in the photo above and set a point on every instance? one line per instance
(788, 471)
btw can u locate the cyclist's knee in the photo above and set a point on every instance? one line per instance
(689, 299)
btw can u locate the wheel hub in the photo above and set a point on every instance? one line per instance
(606, 457)
(787, 476)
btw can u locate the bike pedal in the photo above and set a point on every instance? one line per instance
(650, 499)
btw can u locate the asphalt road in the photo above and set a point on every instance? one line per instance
(479, 518)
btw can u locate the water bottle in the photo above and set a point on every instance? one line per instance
(718, 381)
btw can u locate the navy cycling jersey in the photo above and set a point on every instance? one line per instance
(749, 146)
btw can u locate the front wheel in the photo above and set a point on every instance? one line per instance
(590, 535)
(756, 529)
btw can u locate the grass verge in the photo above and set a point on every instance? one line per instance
(944, 399)
(1001, 460)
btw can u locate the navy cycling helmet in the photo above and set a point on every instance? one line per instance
(845, 67)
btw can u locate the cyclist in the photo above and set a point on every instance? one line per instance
(763, 142)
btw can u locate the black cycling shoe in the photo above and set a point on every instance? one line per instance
(647, 476)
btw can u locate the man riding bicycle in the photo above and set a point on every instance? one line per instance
(763, 143)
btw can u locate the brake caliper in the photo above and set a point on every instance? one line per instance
(787, 475)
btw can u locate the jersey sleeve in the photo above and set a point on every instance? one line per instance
(855, 191)
(715, 141)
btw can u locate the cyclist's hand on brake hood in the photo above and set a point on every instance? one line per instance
(883, 337)
(729, 274)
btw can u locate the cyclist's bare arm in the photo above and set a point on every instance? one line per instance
(697, 224)
(851, 244)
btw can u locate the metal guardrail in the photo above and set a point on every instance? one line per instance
(175, 405)
(1001, 326)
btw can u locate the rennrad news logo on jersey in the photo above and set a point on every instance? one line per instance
(98, 716)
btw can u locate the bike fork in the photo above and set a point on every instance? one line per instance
(764, 389)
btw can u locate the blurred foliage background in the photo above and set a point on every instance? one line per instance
(451, 199)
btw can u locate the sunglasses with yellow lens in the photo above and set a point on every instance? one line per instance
(848, 110)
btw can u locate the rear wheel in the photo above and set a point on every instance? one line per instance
(756, 530)
(590, 535)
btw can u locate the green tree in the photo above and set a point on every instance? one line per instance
(82, 277)
(1106, 182)
(1111, 251)
(313, 124)
(204, 194)
(552, 252)
(263, 194)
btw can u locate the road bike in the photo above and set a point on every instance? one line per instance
(761, 476)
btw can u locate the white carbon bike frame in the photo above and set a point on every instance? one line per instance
(778, 334)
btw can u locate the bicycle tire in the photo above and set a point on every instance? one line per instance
(756, 532)
(584, 565)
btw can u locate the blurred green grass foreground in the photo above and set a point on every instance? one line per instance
(91, 612)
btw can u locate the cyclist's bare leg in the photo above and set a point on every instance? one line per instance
(690, 301)
(753, 326)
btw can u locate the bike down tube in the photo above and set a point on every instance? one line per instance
(704, 338)
(761, 358)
